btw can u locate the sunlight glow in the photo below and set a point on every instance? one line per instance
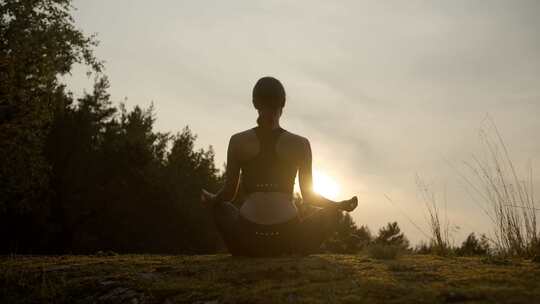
(325, 185)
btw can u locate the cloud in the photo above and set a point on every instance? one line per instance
(383, 89)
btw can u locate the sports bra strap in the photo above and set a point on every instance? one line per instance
(267, 172)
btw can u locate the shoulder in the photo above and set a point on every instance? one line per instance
(295, 140)
(242, 136)
(295, 137)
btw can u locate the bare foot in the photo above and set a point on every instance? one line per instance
(349, 205)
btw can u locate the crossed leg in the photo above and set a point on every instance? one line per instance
(227, 220)
(307, 235)
(315, 227)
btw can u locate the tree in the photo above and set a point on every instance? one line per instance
(72, 150)
(391, 235)
(188, 170)
(364, 236)
(348, 238)
(38, 43)
(474, 246)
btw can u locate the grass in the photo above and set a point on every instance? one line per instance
(439, 242)
(225, 279)
(384, 252)
(505, 196)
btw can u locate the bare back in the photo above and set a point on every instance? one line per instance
(266, 206)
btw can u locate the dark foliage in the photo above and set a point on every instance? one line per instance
(115, 184)
(85, 176)
(391, 235)
(348, 238)
(474, 246)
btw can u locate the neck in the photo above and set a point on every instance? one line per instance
(271, 126)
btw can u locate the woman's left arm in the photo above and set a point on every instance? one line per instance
(232, 176)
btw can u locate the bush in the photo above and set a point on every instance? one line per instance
(391, 235)
(474, 246)
(389, 243)
(433, 247)
(423, 248)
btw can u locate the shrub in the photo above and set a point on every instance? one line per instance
(474, 246)
(389, 243)
(391, 235)
(423, 248)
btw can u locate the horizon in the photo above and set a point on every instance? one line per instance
(383, 92)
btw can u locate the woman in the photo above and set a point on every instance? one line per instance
(269, 157)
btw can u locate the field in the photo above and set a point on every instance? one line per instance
(216, 279)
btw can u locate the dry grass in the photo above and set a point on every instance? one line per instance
(439, 225)
(504, 196)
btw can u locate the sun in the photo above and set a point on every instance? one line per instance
(325, 185)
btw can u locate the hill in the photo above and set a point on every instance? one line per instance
(224, 279)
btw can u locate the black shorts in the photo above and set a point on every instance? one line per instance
(302, 235)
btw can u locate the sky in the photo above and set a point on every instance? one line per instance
(384, 90)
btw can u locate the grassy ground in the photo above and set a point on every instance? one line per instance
(216, 279)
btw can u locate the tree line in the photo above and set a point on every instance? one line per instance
(84, 174)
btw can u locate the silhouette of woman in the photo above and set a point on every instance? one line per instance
(268, 157)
